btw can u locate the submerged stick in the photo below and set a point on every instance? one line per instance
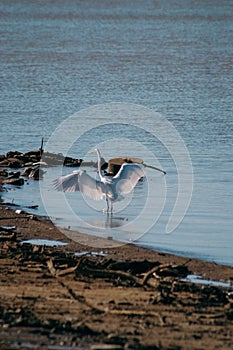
(41, 147)
(16, 217)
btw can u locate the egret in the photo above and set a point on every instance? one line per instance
(112, 189)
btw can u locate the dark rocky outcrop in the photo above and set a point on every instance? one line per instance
(16, 160)
(31, 162)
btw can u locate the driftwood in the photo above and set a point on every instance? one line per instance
(157, 272)
(8, 237)
(151, 278)
(57, 273)
(103, 273)
(30, 216)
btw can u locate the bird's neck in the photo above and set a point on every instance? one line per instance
(99, 164)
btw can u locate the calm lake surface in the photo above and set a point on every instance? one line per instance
(174, 58)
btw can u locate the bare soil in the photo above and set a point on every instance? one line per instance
(132, 298)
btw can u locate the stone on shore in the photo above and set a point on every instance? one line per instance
(16, 159)
(33, 173)
(14, 181)
(11, 163)
(3, 173)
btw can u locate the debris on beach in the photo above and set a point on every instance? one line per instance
(145, 294)
(75, 295)
(7, 233)
(14, 179)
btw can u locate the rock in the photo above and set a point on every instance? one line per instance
(15, 159)
(36, 174)
(72, 162)
(4, 163)
(33, 173)
(3, 173)
(26, 172)
(14, 175)
(36, 154)
(14, 181)
(24, 159)
(12, 154)
(14, 163)
(11, 163)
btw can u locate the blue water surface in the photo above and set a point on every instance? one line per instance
(172, 57)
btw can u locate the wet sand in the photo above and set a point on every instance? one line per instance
(127, 298)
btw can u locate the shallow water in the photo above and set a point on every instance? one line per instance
(199, 280)
(172, 57)
(47, 242)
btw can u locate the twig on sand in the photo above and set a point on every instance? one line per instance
(51, 268)
(154, 271)
(57, 273)
(137, 313)
(113, 273)
(75, 296)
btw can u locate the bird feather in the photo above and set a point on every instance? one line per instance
(128, 176)
(80, 181)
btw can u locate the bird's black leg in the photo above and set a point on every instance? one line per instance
(111, 210)
(107, 204)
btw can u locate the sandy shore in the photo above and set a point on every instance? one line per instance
(127, 298)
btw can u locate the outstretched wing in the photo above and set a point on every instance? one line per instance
(67, 183)
(128, 176)
(80, 181)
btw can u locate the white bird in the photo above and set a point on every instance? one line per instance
(112, 189)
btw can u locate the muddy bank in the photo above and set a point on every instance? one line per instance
(122, 298)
